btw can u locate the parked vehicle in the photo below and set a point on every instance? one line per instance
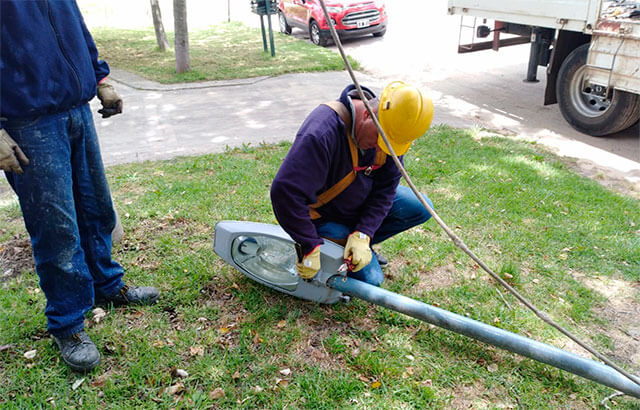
(591, 49)
(351, 18)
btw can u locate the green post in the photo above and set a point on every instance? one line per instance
(264, 36)
(268, 8)
(262, 8)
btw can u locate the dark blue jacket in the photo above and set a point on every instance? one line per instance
(318, 158)
(48, 60)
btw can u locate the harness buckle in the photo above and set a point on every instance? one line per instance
(367, 171)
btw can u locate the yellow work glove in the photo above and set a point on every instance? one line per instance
(310, 264)
(111, 101)
(10, 154)
(358, 250)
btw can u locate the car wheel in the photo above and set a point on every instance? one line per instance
(284, 26)
(589, 108)
(314, 34)
(380, 33)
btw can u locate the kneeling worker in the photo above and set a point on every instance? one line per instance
(338, 183)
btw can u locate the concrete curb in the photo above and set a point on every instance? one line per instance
(142, 84)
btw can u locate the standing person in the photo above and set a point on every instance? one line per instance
(49, 151)
(338, 183)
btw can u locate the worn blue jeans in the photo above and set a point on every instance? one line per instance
(406, 212)
(67, 210)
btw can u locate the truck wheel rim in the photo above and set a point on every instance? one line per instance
(588, 99)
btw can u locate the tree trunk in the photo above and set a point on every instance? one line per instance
(161, 37)
(182, 35)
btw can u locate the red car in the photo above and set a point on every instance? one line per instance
(351, 18)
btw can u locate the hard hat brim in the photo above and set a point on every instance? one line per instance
(399, 149)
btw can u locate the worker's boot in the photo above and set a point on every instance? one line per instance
(78, 351)
(136, 295)
(381, 259)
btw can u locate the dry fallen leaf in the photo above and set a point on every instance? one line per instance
(224, 330)
(5, 347)
(280, 383)
(77, 384)
(216, 393)
(158, 344)
(30, 355)
(236, 375)
(180, 373)
(257, 389)
(100, 380)
(492, 368)
(98, 314)
(362, 378)
(536, 281)
(410, 357)
(427, 383)
(176, 389)
(285, 372)
(508, 276)
(196, 351)
(281, 324)
(375, 385)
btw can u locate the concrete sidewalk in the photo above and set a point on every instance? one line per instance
(165, 121)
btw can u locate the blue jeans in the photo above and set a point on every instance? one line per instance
(67, 210)
(406, 212)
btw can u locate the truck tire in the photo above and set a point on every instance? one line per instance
(586, 106)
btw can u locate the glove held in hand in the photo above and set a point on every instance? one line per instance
(10, 154)
(358, 250)
(111, 101)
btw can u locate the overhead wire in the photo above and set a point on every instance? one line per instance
(454, 238)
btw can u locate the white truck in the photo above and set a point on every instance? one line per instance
(591, 49)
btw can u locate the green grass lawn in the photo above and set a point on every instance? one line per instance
(548, 231)
(223, 52)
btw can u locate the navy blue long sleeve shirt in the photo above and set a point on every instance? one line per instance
(318, 158)
(48, 60)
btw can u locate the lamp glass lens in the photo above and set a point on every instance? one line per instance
(269, 259)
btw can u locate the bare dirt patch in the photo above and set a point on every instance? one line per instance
(611, 179)
(15, 257)
(621, 313)
(477, 396)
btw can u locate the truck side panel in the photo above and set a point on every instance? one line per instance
(574, 15)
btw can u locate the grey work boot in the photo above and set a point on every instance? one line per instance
(78, 351)
(381, 259)
(136, 295)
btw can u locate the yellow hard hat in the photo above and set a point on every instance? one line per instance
(404, 114)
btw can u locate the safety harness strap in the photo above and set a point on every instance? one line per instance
(328, 195)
